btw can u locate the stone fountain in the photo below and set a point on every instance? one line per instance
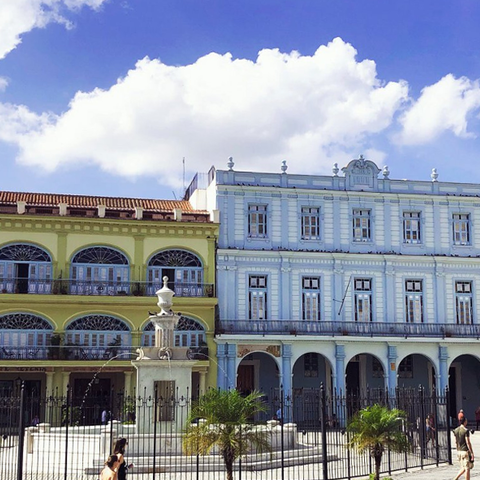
(164, 370)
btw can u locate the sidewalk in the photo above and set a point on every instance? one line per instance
(444, 472)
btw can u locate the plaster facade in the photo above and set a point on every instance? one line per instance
(358, 280)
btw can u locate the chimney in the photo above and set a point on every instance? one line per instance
(21, 207)
(101, 211)
(138, 213)
(177, 214)
(215, 216)
(62, 209)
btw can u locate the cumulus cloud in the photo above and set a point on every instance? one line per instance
(20, 16)
(443, 106)
(3, 84)
(305, 109)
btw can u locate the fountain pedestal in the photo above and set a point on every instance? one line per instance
(164, 373)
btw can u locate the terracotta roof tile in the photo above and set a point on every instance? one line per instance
(116, 203)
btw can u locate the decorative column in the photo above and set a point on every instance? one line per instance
(231, 365)
(49, 392)
(127, 388)
(222, 366)
(202, 382)
(286, 378)
(49, 383)
(443, 370)
(65, 382)
(340, 368)
(392, 368)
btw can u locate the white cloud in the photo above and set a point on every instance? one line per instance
(3, 84)
(20, 16)
(443, 106)
(305, 109)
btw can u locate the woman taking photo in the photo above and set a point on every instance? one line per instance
(110, 471)
(119, 451)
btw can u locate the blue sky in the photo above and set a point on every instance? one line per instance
(105, 97)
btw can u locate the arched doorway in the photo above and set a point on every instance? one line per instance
(259, 371)
(365, 373)
(464, 386)
(309, 372)
(416, 370)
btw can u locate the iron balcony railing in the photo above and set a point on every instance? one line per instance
(66, 352)
(334, 329)
(101, 287)
(80, 352)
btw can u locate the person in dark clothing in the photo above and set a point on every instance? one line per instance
(464, 449)
(119, 450)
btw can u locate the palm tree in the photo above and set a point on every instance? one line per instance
(225, 422)
(375, 429)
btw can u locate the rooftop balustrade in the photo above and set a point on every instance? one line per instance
(340, 328)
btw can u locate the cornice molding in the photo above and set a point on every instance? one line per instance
(107, 226)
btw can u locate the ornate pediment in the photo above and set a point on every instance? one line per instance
(361, 174)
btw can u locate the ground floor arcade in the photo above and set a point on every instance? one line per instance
(352, 367)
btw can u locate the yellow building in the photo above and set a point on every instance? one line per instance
(78, 276)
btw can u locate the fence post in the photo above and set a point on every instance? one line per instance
(155, 420)
(282, 421)
(449, 438)
(436, 424)
(323, 426)
(21, 433)
(422, 432)
(67, 421)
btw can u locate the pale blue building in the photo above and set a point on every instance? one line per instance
(355, 280)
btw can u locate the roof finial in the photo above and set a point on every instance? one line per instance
(335, 169)
(230, 163)
(385, 172)
(434, 175)
(284, 167)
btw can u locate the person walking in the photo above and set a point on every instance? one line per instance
(464, 449)
(110, 470)
(119, 450)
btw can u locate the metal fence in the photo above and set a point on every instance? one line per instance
(69, 438)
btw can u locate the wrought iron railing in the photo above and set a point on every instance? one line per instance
(66, 352)
(80, 352)
(54, 436)
(64, 286)
(335, 329)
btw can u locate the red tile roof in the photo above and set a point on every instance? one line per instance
(85, 201)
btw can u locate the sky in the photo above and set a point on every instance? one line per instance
(107, 97)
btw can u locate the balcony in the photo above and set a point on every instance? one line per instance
(101, 287)
(339, 329)
(85, 353)
(67, 352)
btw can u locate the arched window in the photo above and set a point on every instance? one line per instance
(25, 268)
(189, 333)
(183, 269)
(98, 336)
(24, 336)
(99, 271)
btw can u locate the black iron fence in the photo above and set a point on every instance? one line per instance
(69, 437)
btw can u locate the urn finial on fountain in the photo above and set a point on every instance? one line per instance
(165, 298)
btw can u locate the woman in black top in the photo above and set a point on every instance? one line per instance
(119, 451)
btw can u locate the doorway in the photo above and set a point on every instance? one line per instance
(22, 270)
(246, 379)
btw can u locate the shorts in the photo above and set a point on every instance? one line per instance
(464, 460)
